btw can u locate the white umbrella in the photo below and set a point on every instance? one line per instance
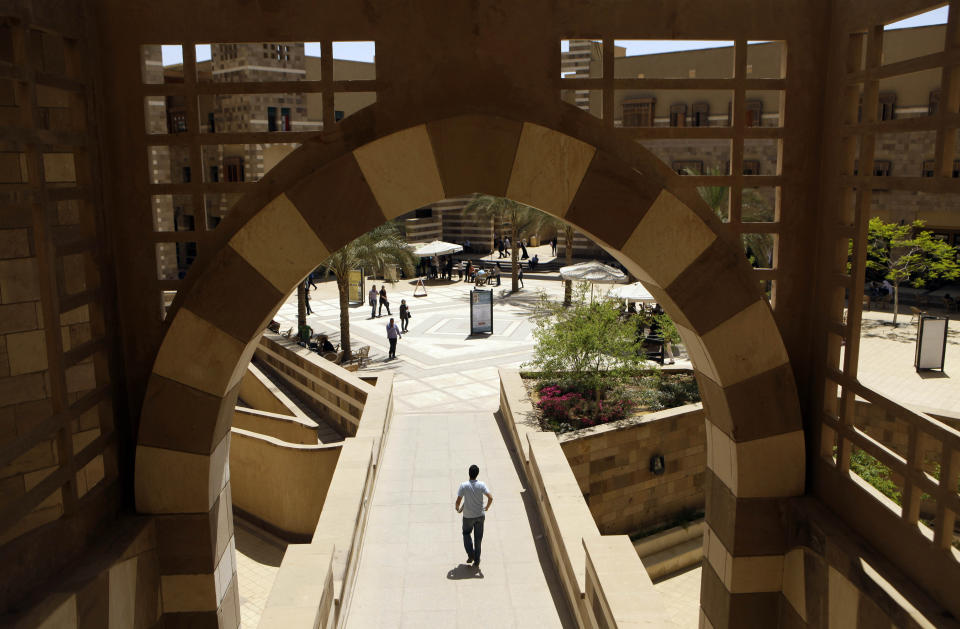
(633, 292)
(437, 248)
(592, 271)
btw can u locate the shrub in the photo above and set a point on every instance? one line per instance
(565, 410)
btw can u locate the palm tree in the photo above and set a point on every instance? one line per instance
(380, 246)
(568, 233)
(753, 209)
(523, 220)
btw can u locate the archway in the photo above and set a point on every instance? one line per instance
(568, 166)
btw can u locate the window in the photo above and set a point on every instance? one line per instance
(750, 167)
(754, 113)
(271, 118)
(186, 174)
(678, 115)
(177, 122)
(887, 106)
(881, 168)
(638, 112)
(927, 168)
(687, 166)
(212, 122)
(233, 168)
(214, 174)
(701, 115)
(285, 118)
(934, 105)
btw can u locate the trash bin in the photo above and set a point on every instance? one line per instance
(535, 241)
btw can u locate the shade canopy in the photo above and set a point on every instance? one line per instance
(437, 248)
(592, 271)
(633, 292)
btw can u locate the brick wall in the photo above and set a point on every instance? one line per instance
(612, 466)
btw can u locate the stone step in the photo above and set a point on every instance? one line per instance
(672, 550)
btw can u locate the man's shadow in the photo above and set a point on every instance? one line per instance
(465, 571)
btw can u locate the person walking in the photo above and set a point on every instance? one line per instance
(470, 503)
(306, 296)
(553, 246)
(372, 299)
(404, 315)
(313, 279)
(384, 301)
(520, 276)
(393, 334)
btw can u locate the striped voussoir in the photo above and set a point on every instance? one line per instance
(755, 442)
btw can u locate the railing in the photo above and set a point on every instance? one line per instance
(316, 578)
(924, 471)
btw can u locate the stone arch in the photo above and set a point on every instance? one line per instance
(567, 165)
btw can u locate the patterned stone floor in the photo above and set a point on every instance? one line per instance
(681, 597)
(258, 559)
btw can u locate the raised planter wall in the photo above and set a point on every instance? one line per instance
(612, 466)
(592, 567)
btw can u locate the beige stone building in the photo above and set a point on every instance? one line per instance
(116, 413)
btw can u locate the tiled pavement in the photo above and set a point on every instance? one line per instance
(258, 559)
(681, 597)
(886, 362)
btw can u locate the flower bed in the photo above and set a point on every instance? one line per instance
(563, 408)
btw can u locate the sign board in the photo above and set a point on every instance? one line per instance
(355, 286)
(481, 312)
(931, 342)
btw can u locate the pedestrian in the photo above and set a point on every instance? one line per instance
(498, 244)
(534, 261)
(306, 296)
(470, 503)
(372, 298)
(393, 334)
(520, 276)
(506, 246)
(553, 246)
(404, 315)
(523, 249)
(313, 279)
(384, 301)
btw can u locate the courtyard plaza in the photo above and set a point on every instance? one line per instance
(411, 570)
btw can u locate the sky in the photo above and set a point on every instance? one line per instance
(364, 51)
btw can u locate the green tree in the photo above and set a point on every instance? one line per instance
(753, 209)
(523, 221)
(568, 232)
(382, 245)
(908, 254)
(588, 345)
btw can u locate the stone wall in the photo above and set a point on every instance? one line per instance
(334, 394)
(612, 467)
(117, 586)
(281, 485)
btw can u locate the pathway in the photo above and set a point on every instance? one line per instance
(412, 570)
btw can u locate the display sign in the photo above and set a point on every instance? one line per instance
(355, 286)
(481, 312)
(931, 342)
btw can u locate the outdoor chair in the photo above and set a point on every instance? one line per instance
(362, 355)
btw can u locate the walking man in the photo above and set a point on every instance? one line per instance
(372, 299)
(470, 503)
(384, 301)
(393, 333)
(404, 315)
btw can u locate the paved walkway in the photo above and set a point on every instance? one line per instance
(886, 362)
(412, 570)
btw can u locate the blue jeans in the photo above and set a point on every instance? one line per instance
(475, 526)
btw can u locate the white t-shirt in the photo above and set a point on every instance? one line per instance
(472, 492)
